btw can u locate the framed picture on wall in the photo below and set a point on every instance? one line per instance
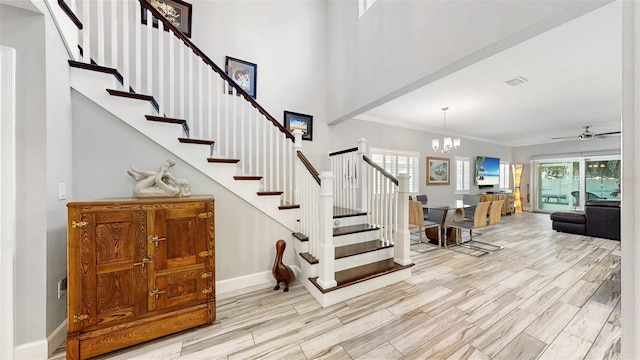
(293, 121)
(437, 171)
(177, 12)
(243, 73)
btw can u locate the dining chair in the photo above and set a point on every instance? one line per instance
(479, 221)
(416, 220)
(495, 212)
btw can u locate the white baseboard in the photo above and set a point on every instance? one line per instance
(35, 350)
(245, 284)
(57, 337)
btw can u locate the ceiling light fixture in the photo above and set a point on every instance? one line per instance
(447, 143)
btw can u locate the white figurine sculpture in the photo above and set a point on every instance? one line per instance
(159, 183)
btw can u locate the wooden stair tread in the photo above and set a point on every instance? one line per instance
(92, 67)
(287, 207)
(361, 273)
(165, 119)
(129, 95)
(352, 229)
(340, 212)
(247, 177)
(220, 160)
(350, 250)
(269, 193)
(196, 141)
(300, 236)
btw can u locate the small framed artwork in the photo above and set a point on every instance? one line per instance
(243, 73)
(293, 121)
(177, 12)
(437, 171)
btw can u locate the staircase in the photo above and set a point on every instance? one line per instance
(195, 111)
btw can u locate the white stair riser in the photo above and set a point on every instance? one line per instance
(356, 238)
(308, 270)
(301, 246)
(363, 259)
(351, 220)
(349, 292)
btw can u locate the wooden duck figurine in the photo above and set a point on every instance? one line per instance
(280, 271)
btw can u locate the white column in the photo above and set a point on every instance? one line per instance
(401, 247)
(297, 145)
(362, 191)
(327, 256)
(630, 317)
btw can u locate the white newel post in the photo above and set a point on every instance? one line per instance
(326, 279)
(362, 192)
(401, 247)
(297, 145)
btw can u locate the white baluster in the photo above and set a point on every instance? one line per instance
(234, 134)
(226, 121)
(220, 88)
(126, 73)
(171, 103)
(86, 32)
(190, 92)
(100, 31)
(149, 55)
(242, 134)
(200, 99)
(210, 97)
(161, 40)
(114, 34)
(138, 47)
(182, 76)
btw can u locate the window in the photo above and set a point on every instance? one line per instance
(364, 5)
(398, 162)
(504, 175)
(463, 176)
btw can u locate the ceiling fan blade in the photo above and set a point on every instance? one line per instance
(564, 137)
(608, 133)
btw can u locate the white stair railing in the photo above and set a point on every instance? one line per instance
(309, 203)
(382, 198)
(187, 85)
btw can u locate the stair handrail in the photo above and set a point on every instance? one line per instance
(307, 164)
(384, 172)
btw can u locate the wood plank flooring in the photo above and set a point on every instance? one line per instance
(546, 295)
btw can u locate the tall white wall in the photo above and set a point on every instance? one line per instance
(288, 42)
(413, 43)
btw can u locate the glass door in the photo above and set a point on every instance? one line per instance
(556, 182)
(566, 184)
(602, 179)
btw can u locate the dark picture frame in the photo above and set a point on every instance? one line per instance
(438, 170)
(304, 122)
(244, 73)
(177, 12)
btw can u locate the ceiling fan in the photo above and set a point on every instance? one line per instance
(587, 135)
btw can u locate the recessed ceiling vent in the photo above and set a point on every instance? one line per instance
(516, 81)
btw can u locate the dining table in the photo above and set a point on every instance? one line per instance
(438, 212)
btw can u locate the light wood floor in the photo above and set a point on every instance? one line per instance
(546, 295)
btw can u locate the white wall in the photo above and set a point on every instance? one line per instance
(412, 43)
(104, 148)
(288, 42)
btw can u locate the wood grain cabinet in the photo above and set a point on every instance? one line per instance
(138, 269)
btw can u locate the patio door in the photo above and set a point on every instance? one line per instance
(566, 184)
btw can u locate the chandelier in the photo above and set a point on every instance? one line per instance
(447, 143)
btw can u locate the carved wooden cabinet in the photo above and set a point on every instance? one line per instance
(138, 269)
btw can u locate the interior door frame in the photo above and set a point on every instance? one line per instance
(7, 197)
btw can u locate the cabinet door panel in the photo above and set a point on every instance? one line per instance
(117, 288)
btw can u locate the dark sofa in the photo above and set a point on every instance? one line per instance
(601, 218)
